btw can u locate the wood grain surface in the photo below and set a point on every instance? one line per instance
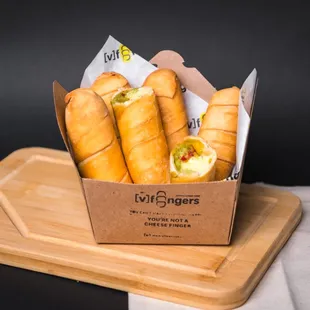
(44, 227)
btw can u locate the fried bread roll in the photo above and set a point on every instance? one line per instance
(142, 136)
(219, 129)
(167, 88)
(192, 161)
(92, 138)
(106, 85)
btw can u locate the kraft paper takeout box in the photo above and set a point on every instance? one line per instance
(201, 213)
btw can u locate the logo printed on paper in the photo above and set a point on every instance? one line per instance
(111, 56)
(123, 53)
(126, 53)
(183, 89)
(234, 176)
(202, 115)
(194, 123)
(161, 200)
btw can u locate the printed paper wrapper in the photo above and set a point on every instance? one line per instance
(114, 56)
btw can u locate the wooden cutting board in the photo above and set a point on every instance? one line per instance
(44, 226)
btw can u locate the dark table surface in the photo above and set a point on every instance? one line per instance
(224, 40)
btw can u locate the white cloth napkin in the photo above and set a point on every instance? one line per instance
(285, 286)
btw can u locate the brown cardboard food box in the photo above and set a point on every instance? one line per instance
(188, 214)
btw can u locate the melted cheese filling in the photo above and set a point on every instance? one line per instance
(190, 157)
(196, 165)
(128, 96)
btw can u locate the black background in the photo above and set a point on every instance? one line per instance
(225, 40)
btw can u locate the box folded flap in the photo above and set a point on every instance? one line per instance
(60, 108)
(191, 78)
